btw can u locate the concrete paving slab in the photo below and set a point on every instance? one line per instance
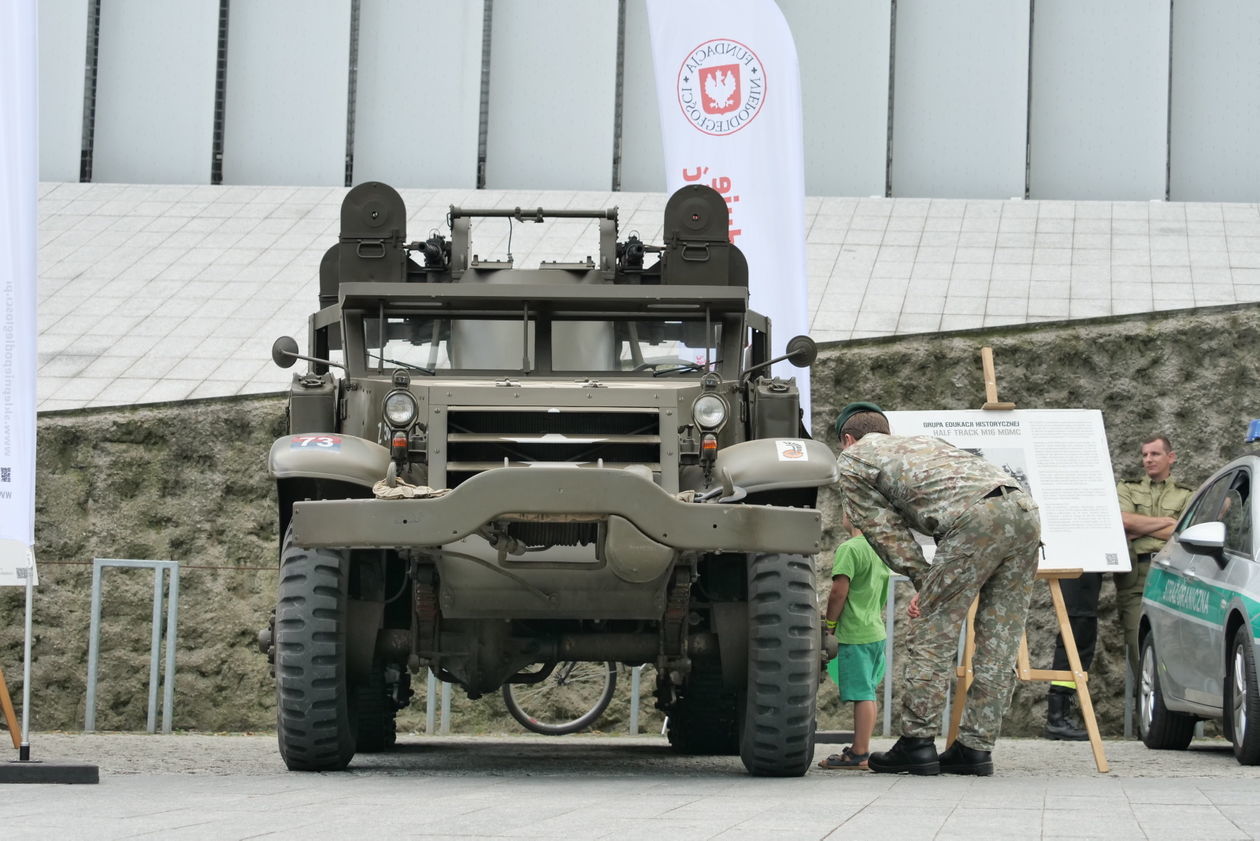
(192, 786)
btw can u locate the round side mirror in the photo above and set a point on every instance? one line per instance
(284, 351)
(802, 351)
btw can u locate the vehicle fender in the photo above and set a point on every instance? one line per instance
(343, 458)
(769, 464)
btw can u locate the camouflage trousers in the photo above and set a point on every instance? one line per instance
(991, 554)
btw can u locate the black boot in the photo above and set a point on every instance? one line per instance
(960, 759)
(1058, 725)
(910, 755)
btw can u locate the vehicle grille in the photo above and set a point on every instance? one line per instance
(480, 439)
(554, 534)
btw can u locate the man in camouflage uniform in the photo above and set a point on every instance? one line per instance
(1150, 509)
(987, 532)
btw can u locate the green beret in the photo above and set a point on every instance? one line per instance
(853, 409)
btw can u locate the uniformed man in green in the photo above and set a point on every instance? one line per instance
(987, 531)
(1150, 509)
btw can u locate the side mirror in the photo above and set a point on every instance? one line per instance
(1204, 539)
(802, 351)
(284, 351)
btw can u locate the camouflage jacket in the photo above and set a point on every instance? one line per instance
(894, 483)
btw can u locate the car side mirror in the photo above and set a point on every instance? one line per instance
(1204, 539)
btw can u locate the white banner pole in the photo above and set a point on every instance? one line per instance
(18, 244)
(24, 750)
(729, 93)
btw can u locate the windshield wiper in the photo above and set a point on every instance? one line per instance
(686, 367)
(408, 365)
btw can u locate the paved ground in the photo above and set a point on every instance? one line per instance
(622, 788)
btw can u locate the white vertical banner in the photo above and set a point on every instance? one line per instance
(18, 181)
(729, 91)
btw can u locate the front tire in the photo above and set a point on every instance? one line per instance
(705, 720)
(1242, 699)
(1159, 727)
(375, 714)
(784, 649)
(314, 719)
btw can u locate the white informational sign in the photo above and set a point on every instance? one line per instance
(1060, 457)
(729, 92)
(16, 562)
(17, 288)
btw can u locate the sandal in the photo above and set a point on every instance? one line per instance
(846, 759)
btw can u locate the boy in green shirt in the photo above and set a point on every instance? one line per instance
(855, 614)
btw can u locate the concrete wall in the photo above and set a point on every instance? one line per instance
(187, 482)
(1125, 100)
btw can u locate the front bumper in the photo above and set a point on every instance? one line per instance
(562, 494)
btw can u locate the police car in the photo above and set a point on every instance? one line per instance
(1200, 619)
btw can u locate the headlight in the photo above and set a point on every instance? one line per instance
(400, 409)
(709, 411)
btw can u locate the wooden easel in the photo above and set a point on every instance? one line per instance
(6, 703)
(1023, 671)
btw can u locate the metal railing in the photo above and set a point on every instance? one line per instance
(172, 612)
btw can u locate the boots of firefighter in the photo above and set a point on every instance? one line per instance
(1058, 725)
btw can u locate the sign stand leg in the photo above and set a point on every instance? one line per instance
(10, 718)
(1022, 669)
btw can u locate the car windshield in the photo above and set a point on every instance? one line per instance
(656, 346)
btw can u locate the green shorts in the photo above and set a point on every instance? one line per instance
(858, 669)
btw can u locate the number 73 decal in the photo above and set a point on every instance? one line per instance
(315, 442)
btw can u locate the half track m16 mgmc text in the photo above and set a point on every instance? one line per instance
(515, 471)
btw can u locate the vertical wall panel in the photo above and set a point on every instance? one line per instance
(843, 52)
(419, 93)
(1099, 122)
(155, 91)
(62, 46)
(286, 92)
(642, 158)
(959, 103)
(553, 67)
(1216, 101)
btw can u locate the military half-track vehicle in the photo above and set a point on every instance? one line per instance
(491, 470)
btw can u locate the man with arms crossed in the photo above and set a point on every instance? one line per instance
(987, 532)
(1150, 509)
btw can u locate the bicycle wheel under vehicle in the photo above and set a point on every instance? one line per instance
(570, 699)
(1242, 700)
(1159, 727)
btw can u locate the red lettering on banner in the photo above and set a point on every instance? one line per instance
(723, 185)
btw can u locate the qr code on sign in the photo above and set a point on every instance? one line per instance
(23, 572)
(1113, 560)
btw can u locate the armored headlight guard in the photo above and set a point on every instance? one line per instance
(400, 409)
(709, 411)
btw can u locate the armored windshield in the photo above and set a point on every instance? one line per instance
(633, 345)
